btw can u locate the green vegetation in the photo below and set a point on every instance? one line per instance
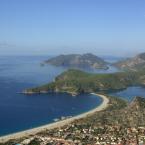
(76, 82)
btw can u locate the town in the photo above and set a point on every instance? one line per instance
(83, 134)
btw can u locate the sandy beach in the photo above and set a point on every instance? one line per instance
(33, 131)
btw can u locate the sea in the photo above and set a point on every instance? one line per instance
(20, 112)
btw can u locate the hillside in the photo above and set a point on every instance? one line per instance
(121, 113)
(78, 61)
(135, 63)
(76, 82)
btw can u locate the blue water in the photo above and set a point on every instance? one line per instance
(19, 112)
(131, 92)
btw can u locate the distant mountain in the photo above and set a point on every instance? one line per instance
(135, 63)
(78, 61)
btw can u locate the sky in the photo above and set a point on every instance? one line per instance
(49, 27)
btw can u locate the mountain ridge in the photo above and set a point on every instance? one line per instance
(134, 63)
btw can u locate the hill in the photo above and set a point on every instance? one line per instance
(123, 114)
(135, 63)
(78, 61)
(76, 82)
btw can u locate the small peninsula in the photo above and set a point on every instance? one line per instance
(76, 82)
(87, 61)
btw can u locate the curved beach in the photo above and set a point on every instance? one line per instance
(36, 130)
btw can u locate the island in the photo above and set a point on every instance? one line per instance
(76, 82)
(84, 61)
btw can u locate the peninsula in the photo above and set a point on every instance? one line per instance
(76, 82)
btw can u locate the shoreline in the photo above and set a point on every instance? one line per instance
(58, 124)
